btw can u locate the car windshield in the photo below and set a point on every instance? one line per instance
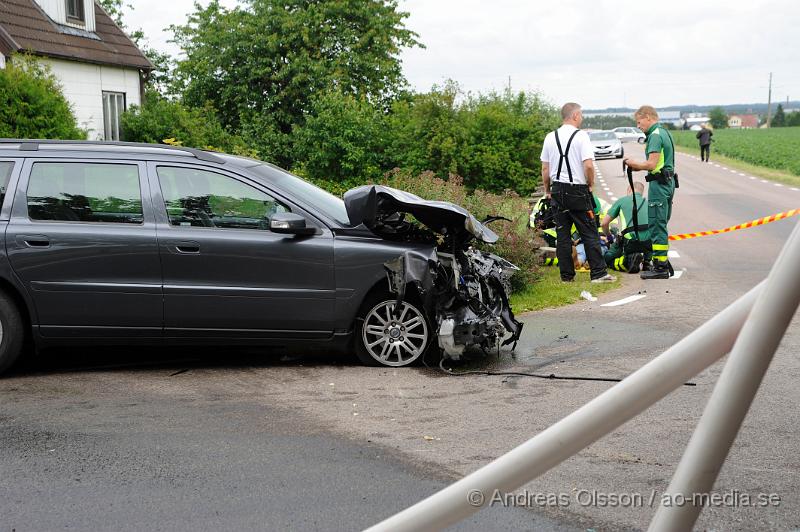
(312, 195)
(602, 135)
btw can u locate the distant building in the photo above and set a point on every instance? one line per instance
(694, 121)
(743, 121)
(670, 117)
(100, 69)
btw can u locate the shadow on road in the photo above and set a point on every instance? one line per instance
(181, 359)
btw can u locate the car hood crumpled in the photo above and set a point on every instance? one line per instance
(368, 203)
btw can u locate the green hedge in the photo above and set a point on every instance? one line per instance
(32, 105)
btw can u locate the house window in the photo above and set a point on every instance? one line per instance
(113, 107)
(75, 11)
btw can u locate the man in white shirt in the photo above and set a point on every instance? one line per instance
(568, 176)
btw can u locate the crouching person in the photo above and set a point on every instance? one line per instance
(630, 250)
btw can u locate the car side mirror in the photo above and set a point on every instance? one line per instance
(289, 223)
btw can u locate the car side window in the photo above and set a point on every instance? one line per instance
(85, 192)
(5, 174)
(201, 198)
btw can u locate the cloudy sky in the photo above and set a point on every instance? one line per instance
(599, 53)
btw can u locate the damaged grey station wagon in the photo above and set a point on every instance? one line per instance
(137, 244)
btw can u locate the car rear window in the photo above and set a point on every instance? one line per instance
(85, 192)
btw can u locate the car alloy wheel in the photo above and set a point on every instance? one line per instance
(394, 338)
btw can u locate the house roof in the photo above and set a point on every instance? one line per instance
(24, 27)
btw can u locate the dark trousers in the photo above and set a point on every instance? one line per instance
(705, 151)
(587, 229)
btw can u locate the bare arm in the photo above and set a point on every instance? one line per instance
(649, 164)
(588, 169)
(546, 178)
(606, 224)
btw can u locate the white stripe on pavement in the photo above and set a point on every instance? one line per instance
(678, 274)
(673, 254)
(778, 185)
(624, 301)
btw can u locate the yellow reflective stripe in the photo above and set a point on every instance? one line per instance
(660, 164)
(660, 247)
(661, 258)
(619, 264)
(551, 232)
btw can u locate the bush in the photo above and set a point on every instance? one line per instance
(160, 120)
(342, 141)
(32, 105)
(515, 243)
(493, 140)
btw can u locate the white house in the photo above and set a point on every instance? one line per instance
(100, 69)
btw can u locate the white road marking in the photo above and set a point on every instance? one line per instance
(795, 189)
(678, 274)
(613, 198)
(715, 164)
(741, 174)
(624, 301)
(778, 185)
(751, 177)
(673, 254)
(764, 181)
(723, 167)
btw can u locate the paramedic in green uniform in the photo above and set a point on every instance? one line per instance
(622, 210)
(660, 166)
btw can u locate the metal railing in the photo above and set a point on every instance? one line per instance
(750, 337)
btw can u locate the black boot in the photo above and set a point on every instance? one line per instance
(635, 262)
(660, 270)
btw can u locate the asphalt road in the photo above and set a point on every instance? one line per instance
(232, 439)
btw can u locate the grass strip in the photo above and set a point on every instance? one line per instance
(758, 171)
(549, 292)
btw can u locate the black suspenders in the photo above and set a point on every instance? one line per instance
(564, 155)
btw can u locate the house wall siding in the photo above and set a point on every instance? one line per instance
(83, 85)
(57, 10)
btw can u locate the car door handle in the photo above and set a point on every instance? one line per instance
(185, 246)
(33, 241)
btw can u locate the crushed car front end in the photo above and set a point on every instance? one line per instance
(463, 289)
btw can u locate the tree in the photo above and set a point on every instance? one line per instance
(608, 122)
(793, 119)
(161, 120)
(32, 104)
(718, 118)
(342, 142)
(266, 61)
(779, 120)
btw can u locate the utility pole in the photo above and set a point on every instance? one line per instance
(769, 101)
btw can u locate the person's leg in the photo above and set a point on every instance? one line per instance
(613, 256)
(564, 243)
(587, 228)
(659, 210)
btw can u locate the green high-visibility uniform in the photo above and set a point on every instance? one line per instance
(660, 194)
(623, 210)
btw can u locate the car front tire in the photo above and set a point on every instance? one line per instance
(386, 338)
(12, 332)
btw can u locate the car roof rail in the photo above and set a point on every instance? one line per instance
(33, 145)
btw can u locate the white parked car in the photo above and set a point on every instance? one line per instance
(628, 134)
(606, 144)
